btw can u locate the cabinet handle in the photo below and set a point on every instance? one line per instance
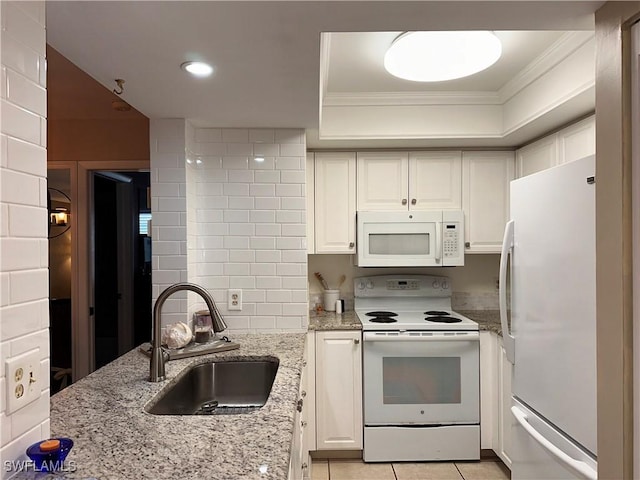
(413, 201)
(352, 244)
(305, 466)
(303, 423)
(404, 201)
(304, 363)
(356, 341)
(467, 244)
(299, 405)
(303, 394)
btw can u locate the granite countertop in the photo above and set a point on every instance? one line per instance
(115, 438)
(487, 319)
(334, 321)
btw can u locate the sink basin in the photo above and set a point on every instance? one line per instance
(215, 388)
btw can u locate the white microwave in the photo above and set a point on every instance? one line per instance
(433, 238)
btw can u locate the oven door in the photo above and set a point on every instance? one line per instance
(421, 378)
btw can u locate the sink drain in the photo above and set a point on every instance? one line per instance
(213, 408)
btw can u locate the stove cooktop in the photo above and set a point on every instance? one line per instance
(415, 320)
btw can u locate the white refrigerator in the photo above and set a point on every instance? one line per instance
(548, 261)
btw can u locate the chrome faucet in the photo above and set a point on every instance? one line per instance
(159, 356)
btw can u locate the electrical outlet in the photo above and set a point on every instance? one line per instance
(23, 380)
(234, 299)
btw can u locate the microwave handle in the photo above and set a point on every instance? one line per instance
(438, 241)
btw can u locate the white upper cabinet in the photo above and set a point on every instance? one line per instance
(435, 180)
(335, 202)
(485, 190)
(382, 180)
(311, 191)
(537, 156)
(569, 144)
(577, 141)
(409, 181)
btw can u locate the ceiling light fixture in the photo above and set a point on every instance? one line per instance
(197, 69)
(439, 56)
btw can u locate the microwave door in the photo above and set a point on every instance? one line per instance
(401, 244)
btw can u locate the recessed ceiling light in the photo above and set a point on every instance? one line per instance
(198, 69)
(439, 56)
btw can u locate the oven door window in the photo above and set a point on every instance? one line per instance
(421, 380)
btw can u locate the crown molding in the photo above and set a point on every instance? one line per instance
(410, 98)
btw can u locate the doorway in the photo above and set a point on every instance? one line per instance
(120, 263)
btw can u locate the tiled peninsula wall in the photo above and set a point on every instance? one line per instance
(224, 220)
(24, 279)
(246, 225)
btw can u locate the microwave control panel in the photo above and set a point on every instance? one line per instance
(451, 240)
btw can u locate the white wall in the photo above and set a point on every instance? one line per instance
(249, 230)
(24, 283)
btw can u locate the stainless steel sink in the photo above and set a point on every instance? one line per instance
(215, 388)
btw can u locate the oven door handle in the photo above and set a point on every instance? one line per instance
(467, 337)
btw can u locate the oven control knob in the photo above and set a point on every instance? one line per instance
(361, 285)
(369, 284)
(445, 285)
(435, 284)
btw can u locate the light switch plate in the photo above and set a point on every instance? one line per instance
(23, 382)
(234, 299)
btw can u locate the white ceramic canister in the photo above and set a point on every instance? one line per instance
(330, 297)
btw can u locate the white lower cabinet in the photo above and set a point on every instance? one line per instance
(495, 397)
(338, 390)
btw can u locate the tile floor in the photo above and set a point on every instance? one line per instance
(358, 470)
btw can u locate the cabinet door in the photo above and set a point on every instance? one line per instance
(435, 180)
(310, 192)
(577, 141)
(538, 156)
(339, 390)
(335, 202)
(505, 419)
(485, 178)
(382, 181)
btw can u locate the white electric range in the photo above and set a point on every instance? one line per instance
(421, 371)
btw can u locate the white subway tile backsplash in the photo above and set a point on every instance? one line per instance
(236, 189)
(268, 256)
(211, 229)
(235, 135)
(290, 136)
(261, 135)
(294, 230)
(263, 322)
(288, 243)
(236, 242)
(293, 203)
(19, 254)
(25, 157)
(290, 269)
(208, 242)
(172, 204)
(213, 175)
(4, 220)
(289, 163)
(292, 150)
(22, 60)
(164, 145)
(263, 269)
(262, 190)
(293, 176)
(267, 176)
(294, 283)
(166, 189)
(288, 216)
(31, 414)
(5, 291)
(211, 283)
(241, 269)
(268, 203)
(27, 221)
(268, 229)
(165, 219)
(289, 190)
(243, 282)
(235, 216)
(245, 149)
(29, 285)
(262, 216)
(267, 163)
(167, 160)
(235, 162)
(238, 323)
(246, 229)
(269, 309)
(211, 189)
(209, 216)
(266, 150)
(209, 150)
(167, 277)
(269, 283)
(289, 323)
(168, 128)
(172, 262)
(239, 203)
(294, 256)
(241, 176)
(21, 319)
(293, 309)
(169, 175)
(262, 243)
(20, 123)
(26, 93)
(209, 269)
(171, 233)
(205, 135)
(217, 202)
(164, 248)
(279, 296)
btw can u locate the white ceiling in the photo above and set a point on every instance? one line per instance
(267, 54)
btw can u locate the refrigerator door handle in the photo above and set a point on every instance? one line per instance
(576, 465)
(507, 249)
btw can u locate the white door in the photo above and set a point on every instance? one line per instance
(382, 181)
(310, 193)
(485, 180)
(435, 180)
(335, 202)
